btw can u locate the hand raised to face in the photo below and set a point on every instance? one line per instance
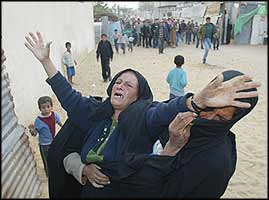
(220, 94)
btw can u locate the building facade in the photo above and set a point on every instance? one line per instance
(59, 22)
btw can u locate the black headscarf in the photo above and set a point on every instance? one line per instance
(105, 109)
(211, 146)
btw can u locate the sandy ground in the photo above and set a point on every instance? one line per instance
(250, 178)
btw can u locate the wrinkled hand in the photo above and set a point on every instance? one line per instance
(179, 133)
(95, 176)
(220, 94)
(36, 46)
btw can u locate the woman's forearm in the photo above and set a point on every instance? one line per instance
(49, 67)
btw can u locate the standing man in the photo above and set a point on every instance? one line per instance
(104, 50)
(154, 28)
(161, 36)
(188, 33)
(199, 37)
(138, 28)
(183, 30)
(207, 32)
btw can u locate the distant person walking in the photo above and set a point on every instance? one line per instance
(207, 32)
(123, 42)
(69, 62)
(105, 51)
(177, 78)
(115, 38)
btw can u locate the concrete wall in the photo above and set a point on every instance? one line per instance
(58, 22)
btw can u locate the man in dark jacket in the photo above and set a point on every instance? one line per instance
(105, 50)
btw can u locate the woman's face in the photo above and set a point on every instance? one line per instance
(124, 91)
(220, 114)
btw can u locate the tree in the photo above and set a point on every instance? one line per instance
(101, 9)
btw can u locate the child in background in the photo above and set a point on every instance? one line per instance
(177, 78)
(44, 126)
(130, 44)
(69, 62)
(123, 41)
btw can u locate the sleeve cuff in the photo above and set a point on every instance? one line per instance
(55, 79)
(183, 101)
(74, 166)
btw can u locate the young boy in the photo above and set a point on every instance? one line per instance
(69, 62)
(45, 127)
(177, 78)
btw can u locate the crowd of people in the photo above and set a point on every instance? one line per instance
(163, 33)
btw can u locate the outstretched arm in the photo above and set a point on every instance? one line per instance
(216, 94)
(73, 102)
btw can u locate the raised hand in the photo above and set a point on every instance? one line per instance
(37, 47)
(220, 94)
(95, 176)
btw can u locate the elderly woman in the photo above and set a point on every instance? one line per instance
(114, 133)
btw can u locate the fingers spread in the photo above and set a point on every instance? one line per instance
(240, 104)
(33, 37)
(246, 94)
(248, 85)
(30, 41)
(39, 37)
(216, 81)
(28, 46)
(48, 44)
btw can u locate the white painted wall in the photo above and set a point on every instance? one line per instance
(58, 22)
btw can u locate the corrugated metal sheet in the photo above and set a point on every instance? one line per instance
(19, 172)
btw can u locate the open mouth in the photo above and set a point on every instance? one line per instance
(119, 95)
